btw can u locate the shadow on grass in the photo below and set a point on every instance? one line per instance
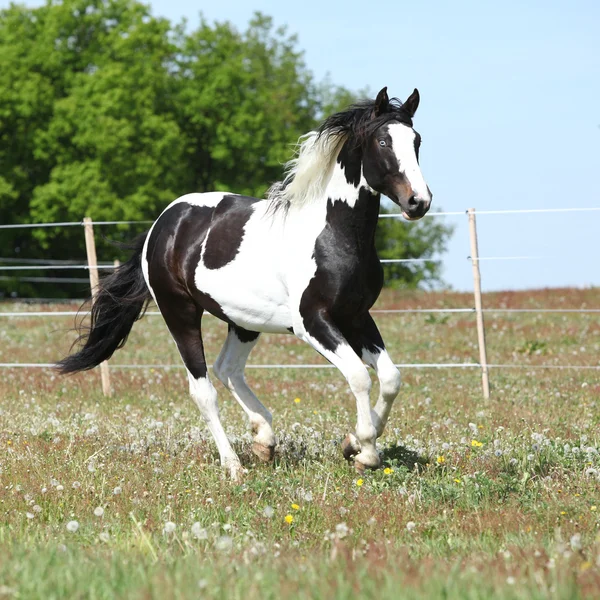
(399, 456)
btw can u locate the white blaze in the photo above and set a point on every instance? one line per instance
(403, 143)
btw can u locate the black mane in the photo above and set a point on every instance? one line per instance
(358, 122)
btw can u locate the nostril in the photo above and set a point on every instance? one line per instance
(412, 202)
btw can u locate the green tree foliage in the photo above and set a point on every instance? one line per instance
(422, 240)
(109, 112)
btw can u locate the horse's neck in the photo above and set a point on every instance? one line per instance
(352, 202)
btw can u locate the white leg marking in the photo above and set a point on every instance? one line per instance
(355, 372)
(389, 386)
(205, 397)
(229, 368)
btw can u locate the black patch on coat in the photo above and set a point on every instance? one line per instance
(227, 230)
(349, 276)
(244, 335)
(173, 252)
(349, 160)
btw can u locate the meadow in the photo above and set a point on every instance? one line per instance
(123, 497)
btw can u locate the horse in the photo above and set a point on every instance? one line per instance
(302, 260)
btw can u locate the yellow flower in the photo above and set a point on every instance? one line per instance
(593, 508)
(441, 460)
(563, 512)
(295, 507)
(359, 482)
(457, 480)
(297, 400)
(476, 444)
(289, 519)
(388, 470)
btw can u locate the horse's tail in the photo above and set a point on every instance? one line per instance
(121, 300)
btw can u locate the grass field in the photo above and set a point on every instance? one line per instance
(123, 497)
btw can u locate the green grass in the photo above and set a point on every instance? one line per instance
(479, 499)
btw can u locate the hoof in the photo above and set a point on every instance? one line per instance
(350, 447)
(264, 453)
(368, 461)
(235, 471)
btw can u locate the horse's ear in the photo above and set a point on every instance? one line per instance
(412, 103)
(381, 102)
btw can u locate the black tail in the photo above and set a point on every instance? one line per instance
(121, 300)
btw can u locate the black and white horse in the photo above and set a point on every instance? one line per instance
(301, 261)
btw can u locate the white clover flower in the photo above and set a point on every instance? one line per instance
(411, 525)
(99, 511)
(72, 526)
(59, 488)
(169, 527)
(75, 485)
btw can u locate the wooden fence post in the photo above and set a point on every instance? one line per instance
(478, 305)
(90, 248)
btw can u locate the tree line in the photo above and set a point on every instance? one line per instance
(110, 112)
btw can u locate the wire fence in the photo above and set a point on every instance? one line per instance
(92, 267)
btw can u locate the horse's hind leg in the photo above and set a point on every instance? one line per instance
(229, 368)
(183, 319)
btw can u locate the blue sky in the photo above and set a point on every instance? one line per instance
(509, 115)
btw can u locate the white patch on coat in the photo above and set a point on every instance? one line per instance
(403, 144)
(282, 244)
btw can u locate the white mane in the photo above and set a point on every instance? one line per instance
(308, 173)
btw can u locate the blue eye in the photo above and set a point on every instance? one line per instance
(382, 143)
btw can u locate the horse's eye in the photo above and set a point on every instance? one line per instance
(382, 143)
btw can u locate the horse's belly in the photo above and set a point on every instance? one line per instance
(252, 299)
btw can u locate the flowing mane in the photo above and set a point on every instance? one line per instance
(307, 174)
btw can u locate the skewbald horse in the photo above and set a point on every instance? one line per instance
(300, 261)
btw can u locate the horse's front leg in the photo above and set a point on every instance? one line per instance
(324, 336)
(367, 341)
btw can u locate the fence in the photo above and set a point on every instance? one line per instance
(93, 267)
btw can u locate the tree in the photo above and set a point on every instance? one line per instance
(397, 239)
(109, 112)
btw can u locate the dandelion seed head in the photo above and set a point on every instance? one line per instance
(72, 526)
(224, 543)
(98, 511)
(169, 527)
(117, 490)
(199, 532)
(410, 526)
(268, 512)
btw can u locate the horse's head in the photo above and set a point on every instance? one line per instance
(391, 156)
